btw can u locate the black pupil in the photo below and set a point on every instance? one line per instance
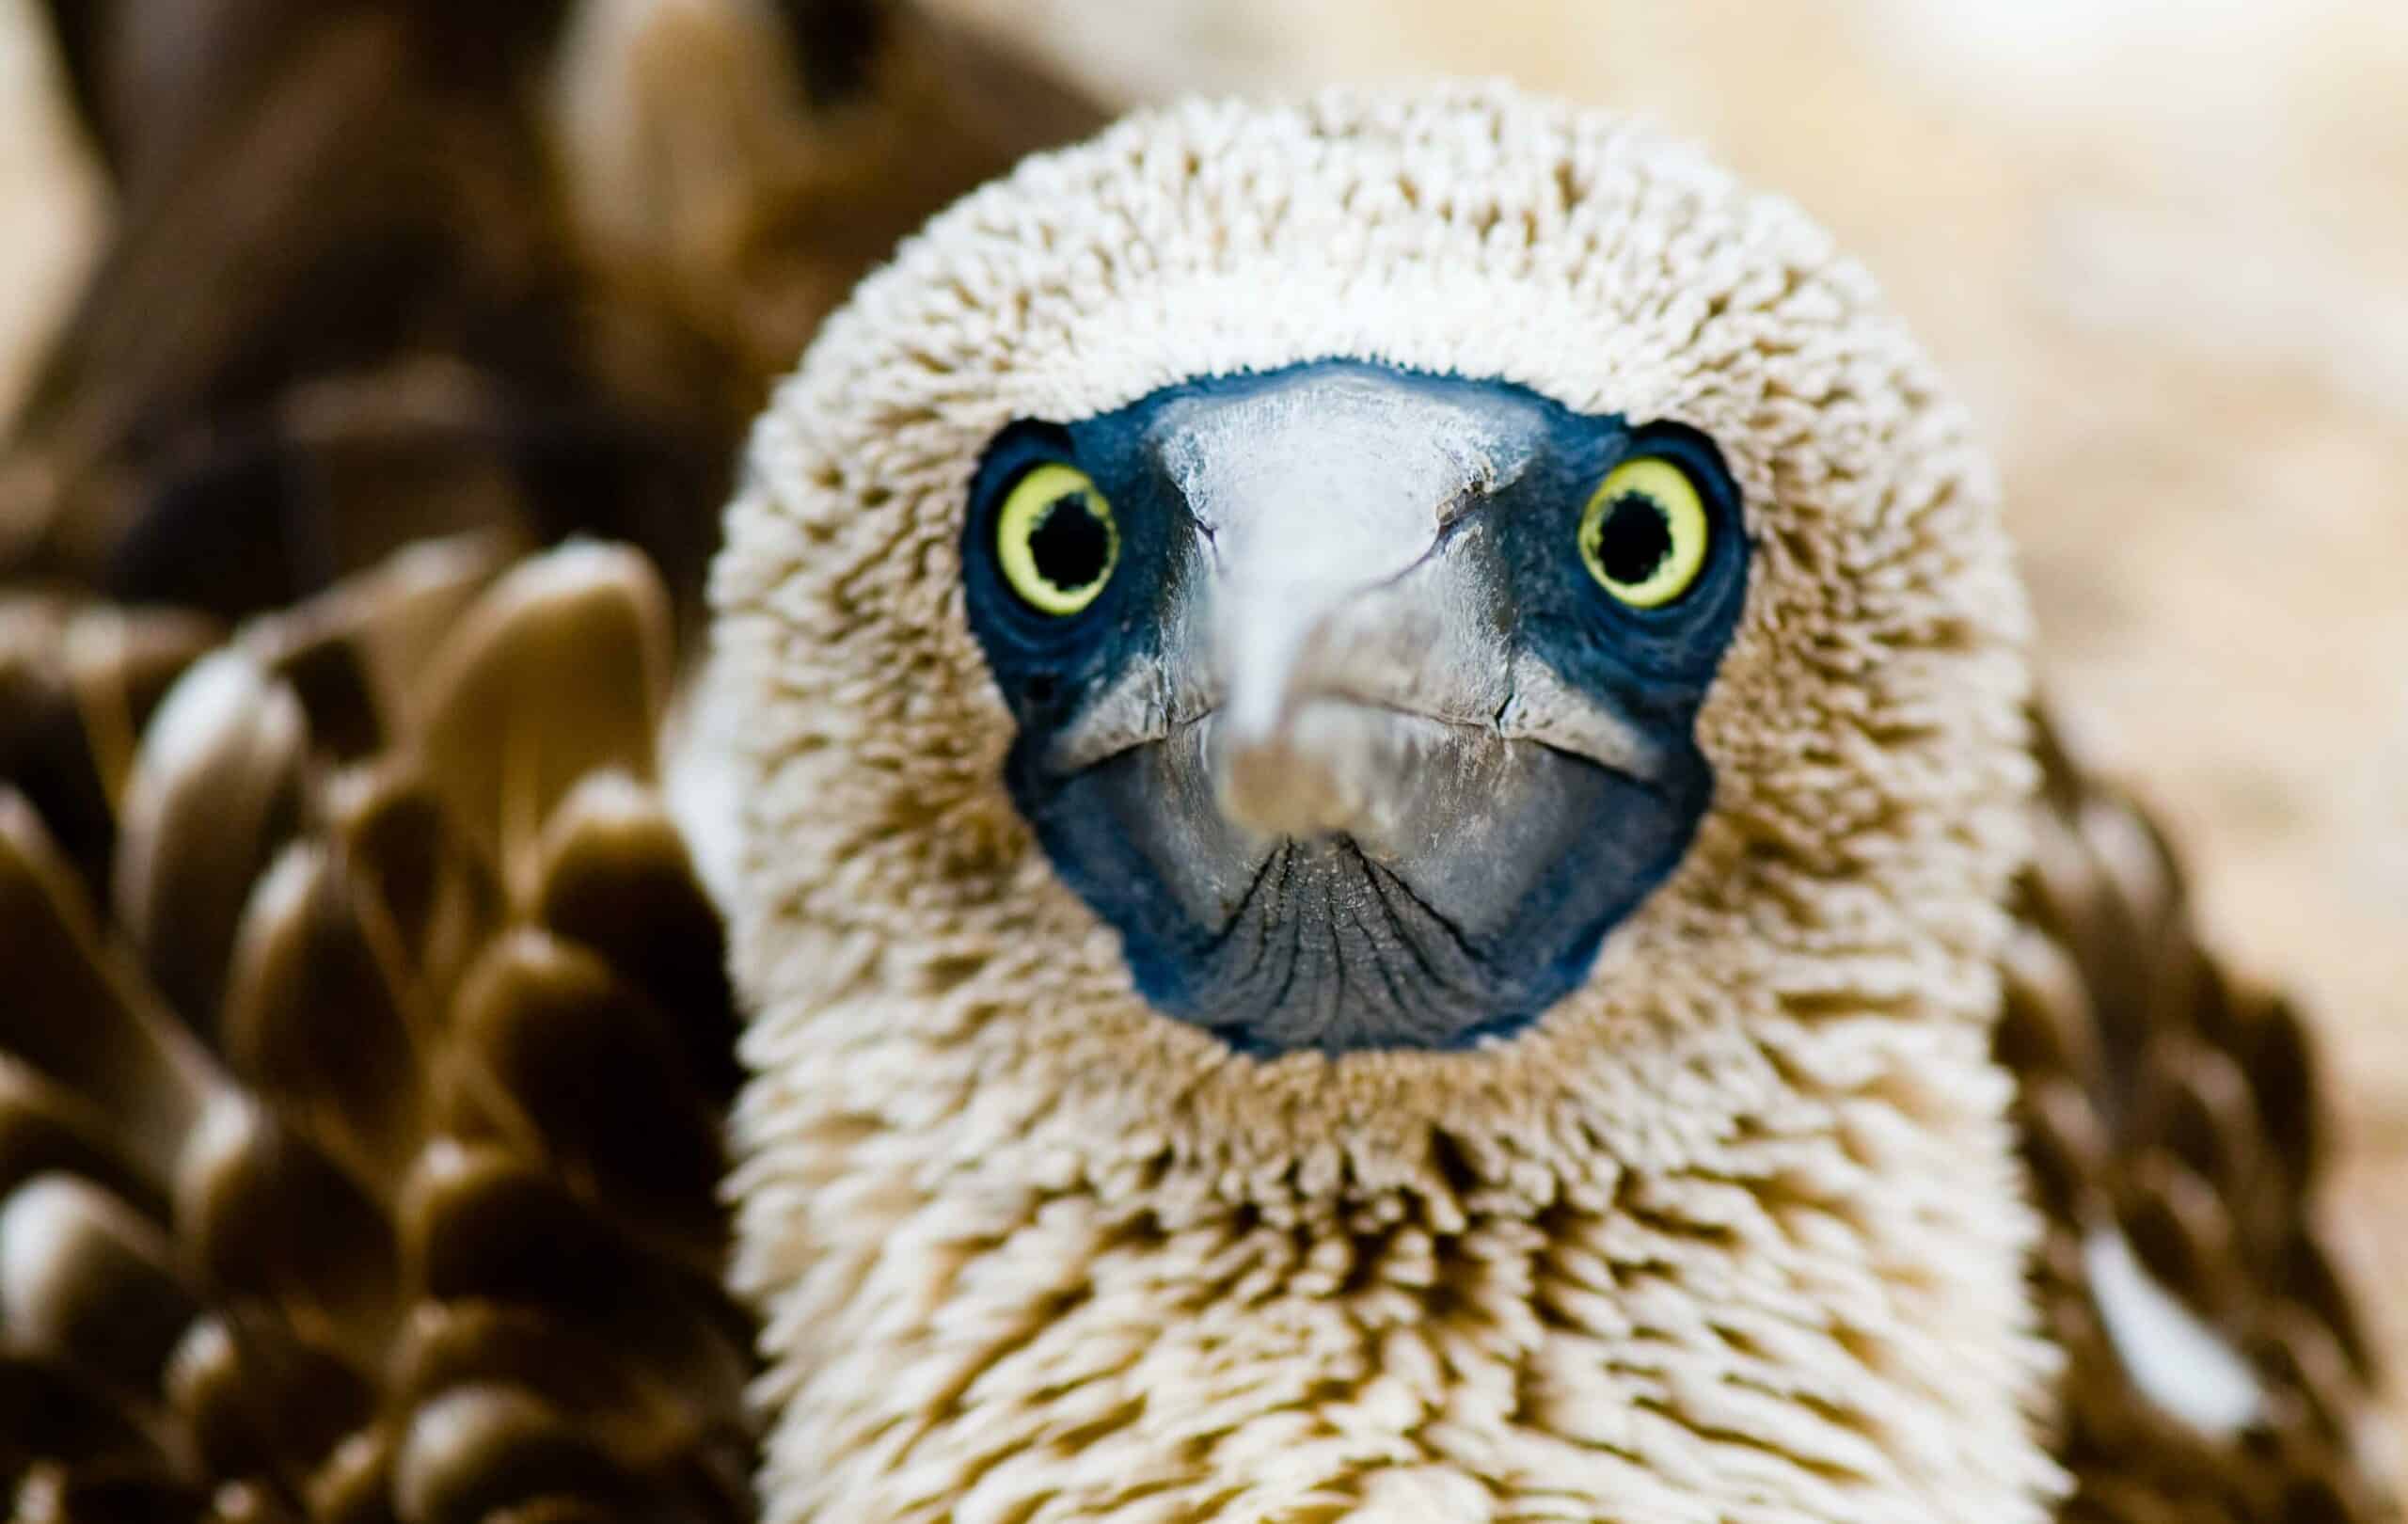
(1071, 546)
(1633, 538)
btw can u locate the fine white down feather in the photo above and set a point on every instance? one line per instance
(1734, 1232)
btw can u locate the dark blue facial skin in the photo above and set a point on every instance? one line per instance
(1448, 987)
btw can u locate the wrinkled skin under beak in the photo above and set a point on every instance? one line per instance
(1346, 801)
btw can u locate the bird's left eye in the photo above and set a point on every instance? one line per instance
(1646, 532)
(1056, 540)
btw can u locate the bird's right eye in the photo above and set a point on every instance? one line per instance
(1056, 540)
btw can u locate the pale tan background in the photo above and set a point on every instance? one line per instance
(2162, 245)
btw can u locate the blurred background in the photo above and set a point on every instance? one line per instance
(2159, 244)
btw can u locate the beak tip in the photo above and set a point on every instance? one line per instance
(1263, 786)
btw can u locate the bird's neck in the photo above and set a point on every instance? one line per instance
(1778, 1262)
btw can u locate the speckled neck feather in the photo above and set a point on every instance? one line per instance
(1734, 1232)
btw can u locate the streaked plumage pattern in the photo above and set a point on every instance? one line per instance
(330, 1001)
(2159, 1094)
(2212, 1174)
(358, 1128)
(388, 268)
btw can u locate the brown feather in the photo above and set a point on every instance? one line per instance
(317, 1198)
(364, 1165)
(76, 687)
(2159, 1097)
(351, 300)
(438, 1165)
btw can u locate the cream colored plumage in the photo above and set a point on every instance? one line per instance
(1736, 1232)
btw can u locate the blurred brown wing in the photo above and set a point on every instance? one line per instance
(2174, 1121)
(361, 1067)
(370, 283)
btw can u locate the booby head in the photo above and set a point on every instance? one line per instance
(1381, 749)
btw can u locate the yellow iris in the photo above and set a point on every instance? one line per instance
(1644, 534)
(1056, 540)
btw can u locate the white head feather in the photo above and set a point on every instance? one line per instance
(1733, 1231)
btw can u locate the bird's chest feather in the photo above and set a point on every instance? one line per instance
(1769, 1330)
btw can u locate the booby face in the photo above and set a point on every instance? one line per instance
(1358, 702)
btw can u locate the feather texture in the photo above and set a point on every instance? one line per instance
(406, 1199)
(388, 269)
(361, 1165)
(2163, 1104)
(368, 1037)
